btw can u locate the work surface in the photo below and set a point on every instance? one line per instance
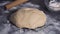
(52, 25)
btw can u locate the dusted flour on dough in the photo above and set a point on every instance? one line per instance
(28, 18)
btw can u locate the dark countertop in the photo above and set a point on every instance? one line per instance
(52, 25)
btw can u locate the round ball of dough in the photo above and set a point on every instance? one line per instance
(28, 18)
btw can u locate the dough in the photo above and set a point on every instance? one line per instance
(28, 18)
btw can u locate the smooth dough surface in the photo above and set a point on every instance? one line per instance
(28, 18)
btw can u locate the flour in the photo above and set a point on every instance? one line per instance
(54, 5)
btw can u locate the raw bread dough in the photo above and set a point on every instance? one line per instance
(28, 18)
